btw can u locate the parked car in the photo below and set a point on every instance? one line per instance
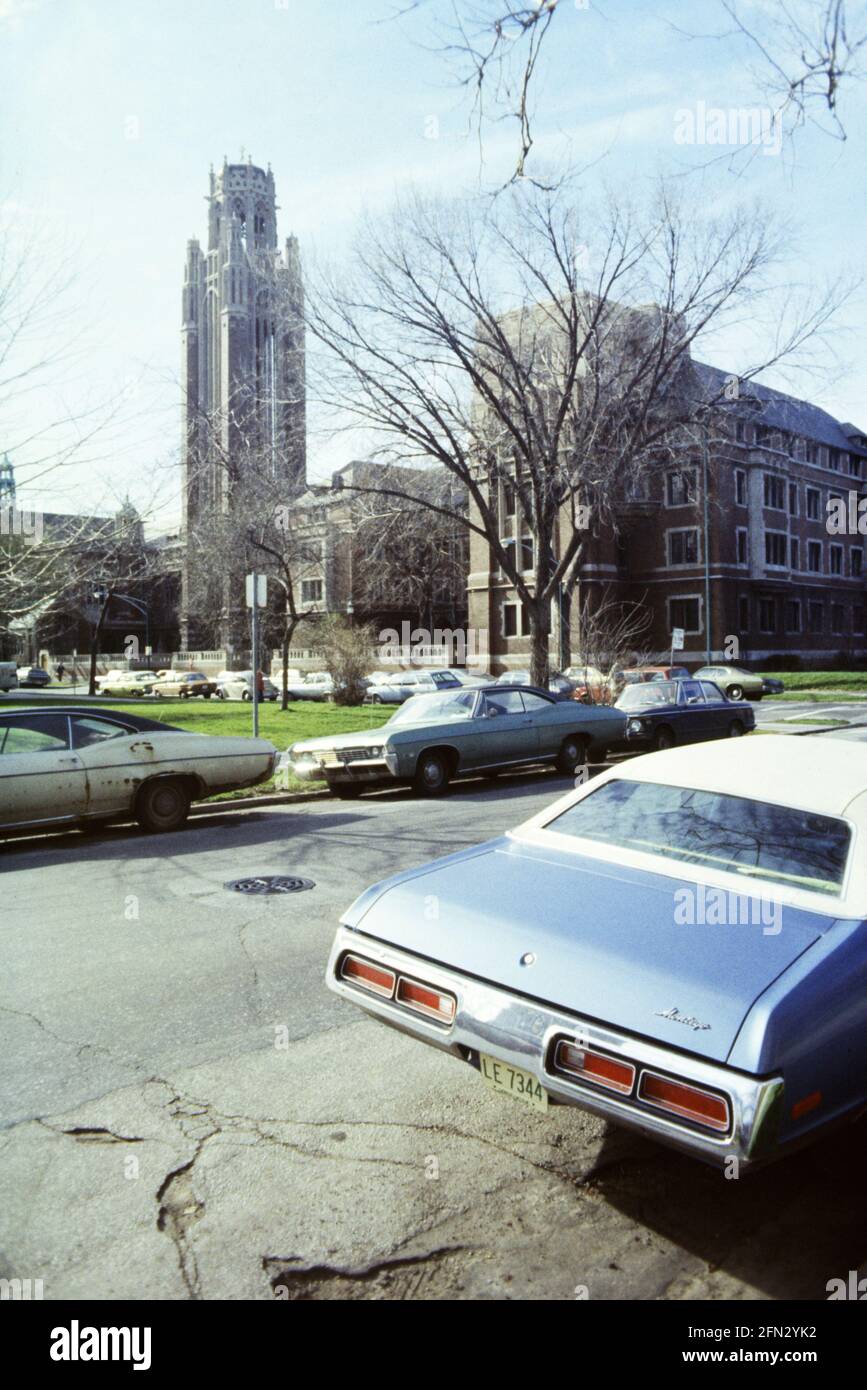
(634, 674)
(128, 683)
(8, 675)
(740, 683)
(591, 686)
(316, 685)
(77, 765)
(403, 684)
(457, 733)
(662, 714)
(33, 676)
(238, 685)
(115, 674)
(183, 685)
(579, 958)
(558, 684)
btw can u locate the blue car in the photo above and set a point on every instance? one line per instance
(662, 714)
(679, 946)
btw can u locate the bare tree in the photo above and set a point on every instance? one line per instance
(612, 635)
(348, 652)
(542, 356)
(807, 51)
(51, 426)
(411, 557)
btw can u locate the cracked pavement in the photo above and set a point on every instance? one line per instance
(188, 1113)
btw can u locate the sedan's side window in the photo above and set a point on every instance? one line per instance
(508, 703)
(88, 731)
(690, 693)
(534, 704)
(711, 691)
(38, 733)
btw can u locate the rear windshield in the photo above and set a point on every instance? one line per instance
(755, 839)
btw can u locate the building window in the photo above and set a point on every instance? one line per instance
(515, 620)
(793, 615)
(685, 613)
(793, 499)
(767, 615)
(856, 562)
(775, 492)
(838, 617)
(741, 535)
(311, 590)
(854, 466)
(740, 487)
(740, 432)
(858, 619)
(812, 452)
(834, 461)
(528, 551)
(814, 557)
(813, 500)
(683, 548)
(681, 487)
(816, 617)
(795, 546)
(835, 556)
(776, 547)
(744, 613)
(508, 500)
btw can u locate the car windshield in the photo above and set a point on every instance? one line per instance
(432, 709)
(647, 694)
(754, 839)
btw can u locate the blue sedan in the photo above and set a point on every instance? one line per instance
(662, 714)
(679, 946)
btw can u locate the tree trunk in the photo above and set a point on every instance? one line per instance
(284, 657)
(289, 626)
(96, 633)
(539, 616)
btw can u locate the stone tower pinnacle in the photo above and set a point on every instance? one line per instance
(243, 370)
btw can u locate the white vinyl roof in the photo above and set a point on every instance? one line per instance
(819, 773)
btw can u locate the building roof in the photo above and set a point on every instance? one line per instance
(786, 412)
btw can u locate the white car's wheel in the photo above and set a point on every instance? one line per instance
(162, 804)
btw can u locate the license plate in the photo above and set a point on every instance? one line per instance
(513, 1081)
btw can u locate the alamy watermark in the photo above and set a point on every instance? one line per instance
(701, 906)
(847, 516)
(28, 525)
(732, 125)
(450, 646)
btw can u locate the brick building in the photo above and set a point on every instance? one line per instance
(762, 556)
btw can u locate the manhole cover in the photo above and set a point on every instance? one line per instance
(273, 883)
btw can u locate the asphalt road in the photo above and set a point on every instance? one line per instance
(189, 1113)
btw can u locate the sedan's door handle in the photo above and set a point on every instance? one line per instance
(76, 762)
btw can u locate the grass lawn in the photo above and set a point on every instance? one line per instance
(302, 719)
(821, 680)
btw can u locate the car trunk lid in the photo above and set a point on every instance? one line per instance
(605, 939)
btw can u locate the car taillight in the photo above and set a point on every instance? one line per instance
(424, 999)
(369, 976)
(691, 1102)
(595, 1066)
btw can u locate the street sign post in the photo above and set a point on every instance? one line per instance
(257, 597)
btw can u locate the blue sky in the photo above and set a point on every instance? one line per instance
(112, 112)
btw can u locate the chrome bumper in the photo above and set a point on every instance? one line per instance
(361, 770)
(522, 1033)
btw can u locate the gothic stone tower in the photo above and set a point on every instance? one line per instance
(243, 375)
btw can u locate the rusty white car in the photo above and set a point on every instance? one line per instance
(83, 764)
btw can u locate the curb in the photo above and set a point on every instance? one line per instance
(247, 803)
